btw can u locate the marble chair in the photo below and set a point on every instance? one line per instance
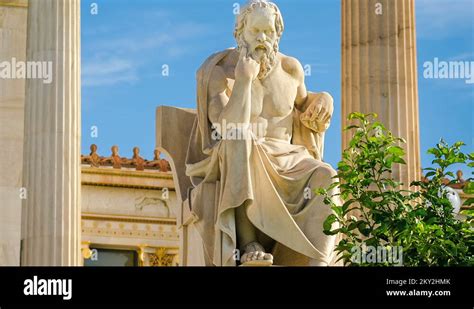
(173, 130)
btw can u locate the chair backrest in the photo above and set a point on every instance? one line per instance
(173, 131)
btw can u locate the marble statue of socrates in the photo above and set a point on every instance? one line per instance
(254, 192)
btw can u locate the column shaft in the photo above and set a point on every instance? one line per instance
(379, 71)
(51, 213)
(13, 16)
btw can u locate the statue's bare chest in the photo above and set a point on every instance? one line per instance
(274, 96)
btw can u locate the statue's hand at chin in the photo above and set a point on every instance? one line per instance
(246, 68)
(317, 115)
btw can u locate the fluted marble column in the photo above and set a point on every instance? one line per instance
(51, 212)
(13, 14)
(379, 71)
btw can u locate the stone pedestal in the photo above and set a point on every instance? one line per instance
(51, 212)
(379, 71)
(13, 14)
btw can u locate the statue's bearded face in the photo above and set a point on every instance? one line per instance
(260, 38)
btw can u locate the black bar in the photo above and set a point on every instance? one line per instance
(242, 285)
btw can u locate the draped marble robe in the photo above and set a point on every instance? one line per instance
(266, 176)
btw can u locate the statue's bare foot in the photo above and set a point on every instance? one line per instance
(254, 254)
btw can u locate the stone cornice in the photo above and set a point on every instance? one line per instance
(128, 173)
(122, 178)
(123, 218)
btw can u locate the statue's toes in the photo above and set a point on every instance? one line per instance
(268, 256)
(255, 255)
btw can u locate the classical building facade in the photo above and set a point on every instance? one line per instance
(128, 211)
(128, 204)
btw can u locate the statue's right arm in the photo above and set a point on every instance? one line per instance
(217, 94)
(236, 108)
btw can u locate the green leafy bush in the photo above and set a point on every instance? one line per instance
(377, 212)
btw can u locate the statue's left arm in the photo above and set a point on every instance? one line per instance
(316, 108)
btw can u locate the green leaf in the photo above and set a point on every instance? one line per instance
(399, 160)
(434, 152)
(421, 212)
(327, 225)
(334, 232)
(351, 127)
(337, 210)
(343, 167)
(429, 174)
(396, 150)
(356, 115)
(362, 227)
(346, 205)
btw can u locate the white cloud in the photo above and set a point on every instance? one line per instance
(467, 56)
(115, 56)
(443, 18)
(101, 72)
(132, 43)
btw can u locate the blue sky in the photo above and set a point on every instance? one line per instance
(126, 44)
